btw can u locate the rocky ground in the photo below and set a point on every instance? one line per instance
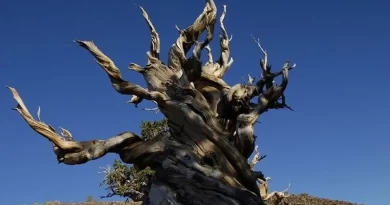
(305, 199)
(301, 199)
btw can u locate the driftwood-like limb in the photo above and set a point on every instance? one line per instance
(278, 194)
(120, 85)
(139, 69)
(219, 68)
(209, 82)
(43, 129)
(265, 195)
(68, 151)
(155, 44)
(263, 186)
(189, 36)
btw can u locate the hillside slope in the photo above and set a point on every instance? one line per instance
(300, 199)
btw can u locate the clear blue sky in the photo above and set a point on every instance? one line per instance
(335, 145)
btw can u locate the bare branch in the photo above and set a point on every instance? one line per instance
(224, 34)
(210, 82)
(178, 29)
(263, 63)
(120, 85)
(135, 100)
(287, 66)
(265, 195)
(268, 77)
(67, 150)
(152, 109)
(189, 36)
(224, 61)
(206, 20)
(209, 54)
(137, 68)
(155, 44)
(219, 68)
(40, 127)
(67, 136)
(251, 80)
(39, 113)
(279, 194)
(239, 99)
(274, 93)
(257, 158)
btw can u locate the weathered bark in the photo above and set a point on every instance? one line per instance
(203, 159)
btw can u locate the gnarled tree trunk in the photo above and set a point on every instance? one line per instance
(203, 158)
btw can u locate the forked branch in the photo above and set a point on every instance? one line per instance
(219, 68)
(267, 75)
(206, 20)
(154, 53)
(189, 36)
(239, 97)
(120, 85)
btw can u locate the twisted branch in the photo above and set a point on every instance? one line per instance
(68, 151)
(155, 43)
(279, 194)
(113, 72)
(41, 128)
(219, 68)
(189, 36)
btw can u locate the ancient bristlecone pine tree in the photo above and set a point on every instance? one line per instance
(203, 157)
